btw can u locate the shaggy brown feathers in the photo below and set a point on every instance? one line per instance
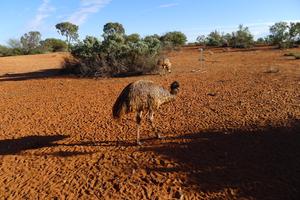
(143, 95)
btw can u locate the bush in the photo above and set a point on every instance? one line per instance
(295, 55)
(214, 39)
(30, 41)
(260, 41)
(174, 38)
(285, 35)
(117, 55)
(4, 51)
(54, 45)
(242, 38)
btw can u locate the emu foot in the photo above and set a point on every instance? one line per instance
(159, 136)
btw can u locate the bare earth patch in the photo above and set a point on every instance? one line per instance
(232, 133)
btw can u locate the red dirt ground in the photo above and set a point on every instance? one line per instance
(232, 133)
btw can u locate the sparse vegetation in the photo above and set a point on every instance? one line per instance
(293, 54)
(117, 55)
(54, 45)
(31, 42)
(242, 38)
(285, 35)
(173, 39)
(69, 30)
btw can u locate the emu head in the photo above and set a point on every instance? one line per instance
(174, 88)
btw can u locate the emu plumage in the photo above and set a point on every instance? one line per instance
(143, 96)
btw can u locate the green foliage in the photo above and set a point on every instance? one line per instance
(133, 37)
(113, 28)
(30, 41)
(69, 30)
(118, 54)
(152, 36)
(226, 40)
(280, 34)
(14, 43)
(285, 35)
(54, 45)
(153, 43)
(87, 49)
(214, 39)
(174, 38)
(296, 55)
(4, 51)
(260, 41)
(242, 38)
(201, 39)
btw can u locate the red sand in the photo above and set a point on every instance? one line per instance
(232, 133)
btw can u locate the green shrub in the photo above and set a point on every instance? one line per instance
(285, 35)
(242, 38)
(174, 38)
(214, 39)
(4, 51)
(30, 41)
(54, 45)
(117, 55)
(294, 54)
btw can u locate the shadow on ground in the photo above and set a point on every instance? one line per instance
(15, 146)
(257, 165)
(32, 75)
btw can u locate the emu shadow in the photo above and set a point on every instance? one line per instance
(115, 143)
(262, 164)
(16, 146)
(48, 73)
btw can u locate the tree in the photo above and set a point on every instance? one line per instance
(201, 39)
(214, 39)
(226, 39)
(133, 38)
(30, 41)
(260, 41)
(4, 51)
(152, 36)
(69, 30)
(280, 34)
(294, 32)
(153, 43)
(176, 38)
(112, 28)
(242, 38)
(14, 43)
(54, 45)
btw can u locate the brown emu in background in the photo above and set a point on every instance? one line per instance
(143, 96)
(165, 64)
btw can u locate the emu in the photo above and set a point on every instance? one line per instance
(165, 64)
(143, 96)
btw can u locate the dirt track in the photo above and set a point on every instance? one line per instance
(233, 131)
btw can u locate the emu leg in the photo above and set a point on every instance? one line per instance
(151, 118)
(138, 121)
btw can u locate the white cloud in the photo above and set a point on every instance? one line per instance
(168, 5)
(43, 12)
(86, 8)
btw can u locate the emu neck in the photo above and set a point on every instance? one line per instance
(171, 96)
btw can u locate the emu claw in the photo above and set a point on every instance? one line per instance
(159, 136)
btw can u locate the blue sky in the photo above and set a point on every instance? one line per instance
(193, 17)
